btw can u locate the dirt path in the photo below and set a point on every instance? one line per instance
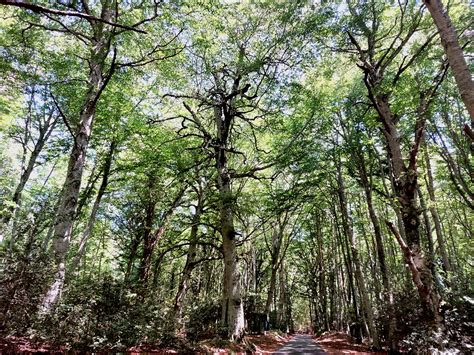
(301, 344)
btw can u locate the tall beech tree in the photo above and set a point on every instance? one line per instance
(374, 66)
(175, 176)
(101, 51)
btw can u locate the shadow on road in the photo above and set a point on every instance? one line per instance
(301, 344)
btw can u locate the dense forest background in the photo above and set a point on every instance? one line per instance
(172, 171)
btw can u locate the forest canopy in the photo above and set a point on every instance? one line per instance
(178, 171)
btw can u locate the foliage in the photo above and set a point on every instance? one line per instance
(312, 195)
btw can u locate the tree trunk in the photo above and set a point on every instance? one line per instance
(176, 313)
(232, 303)
(45, 131)
(429, 235)
(282, 320)
(456, 59)
(148, 238)
(347, 224)
(405, 184)
(346, 254)
(95, 208)
(66, 212)
(152, 239)
(135, 243)
(387, 292)
(275, 253)
(434, 213)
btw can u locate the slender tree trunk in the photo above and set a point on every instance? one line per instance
(88, 190)
(429, 235)
(152, 239)
(322, 274)
(282, 319)
(45, 131)
(132, 255)
(346, 254)
(434, 213)
(387, 292)
(95, 208)
(275, 254)
(346, 221)
(66, 212)
(150, 212)
(176, 313)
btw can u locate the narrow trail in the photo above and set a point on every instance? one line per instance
(301, 344)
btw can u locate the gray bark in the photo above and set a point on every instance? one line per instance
(63, 223)
(457, 62)
(232, 303)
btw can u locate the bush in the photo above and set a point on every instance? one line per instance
(204, 320)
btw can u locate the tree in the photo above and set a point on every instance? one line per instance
(178, 175)
(99, 42)
(404, 171)
(455, 55)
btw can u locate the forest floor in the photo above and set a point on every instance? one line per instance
(341, 343)
(272, 342)
(261, 344)
(331, 343)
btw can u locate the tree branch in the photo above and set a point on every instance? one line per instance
(45, 10)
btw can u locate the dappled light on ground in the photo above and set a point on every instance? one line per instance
(340, 343)
(301, 344)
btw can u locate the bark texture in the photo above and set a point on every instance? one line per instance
(454, 52)
(63, 223)
(232, 303)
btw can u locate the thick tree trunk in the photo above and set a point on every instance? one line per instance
(347, 224)
(66, 212)
(405, 181)
(406, 191)
(455, 55)
(232, 303)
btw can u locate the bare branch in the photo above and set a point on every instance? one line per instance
(45, 10)
(64, 118)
